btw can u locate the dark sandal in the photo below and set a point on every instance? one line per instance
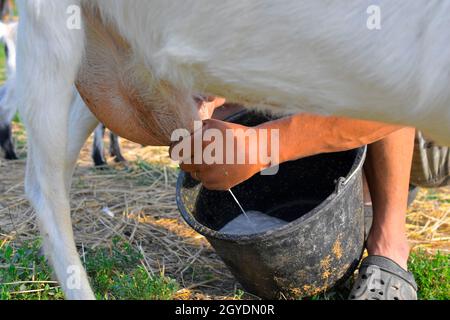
(380, 278)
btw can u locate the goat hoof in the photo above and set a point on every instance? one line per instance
(120, 159)
(11, 157)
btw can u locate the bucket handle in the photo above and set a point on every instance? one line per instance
(343, 181)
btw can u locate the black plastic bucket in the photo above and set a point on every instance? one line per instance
(322, 199)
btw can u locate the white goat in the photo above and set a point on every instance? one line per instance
(146, 59)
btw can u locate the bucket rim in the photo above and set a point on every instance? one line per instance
(342, 185)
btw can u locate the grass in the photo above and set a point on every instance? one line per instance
(116, 273)
(432, 274)
(24, 274)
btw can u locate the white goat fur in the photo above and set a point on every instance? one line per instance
(286, 56)
(8, 105)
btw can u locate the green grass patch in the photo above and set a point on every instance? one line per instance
(116, 273)
(25, 275)
(432, 274)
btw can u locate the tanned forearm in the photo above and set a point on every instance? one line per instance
(306, 135)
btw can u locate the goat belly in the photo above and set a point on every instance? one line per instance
(123, 93)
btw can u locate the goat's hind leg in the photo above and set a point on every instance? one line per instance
(7, 111)
(114, 148)
(6, 142)
(45, 88)
(98, 154)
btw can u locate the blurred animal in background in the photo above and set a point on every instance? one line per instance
(6, 142)
(98, 154)
(7, 8)
(8, 35)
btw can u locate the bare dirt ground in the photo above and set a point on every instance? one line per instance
(136, 202)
